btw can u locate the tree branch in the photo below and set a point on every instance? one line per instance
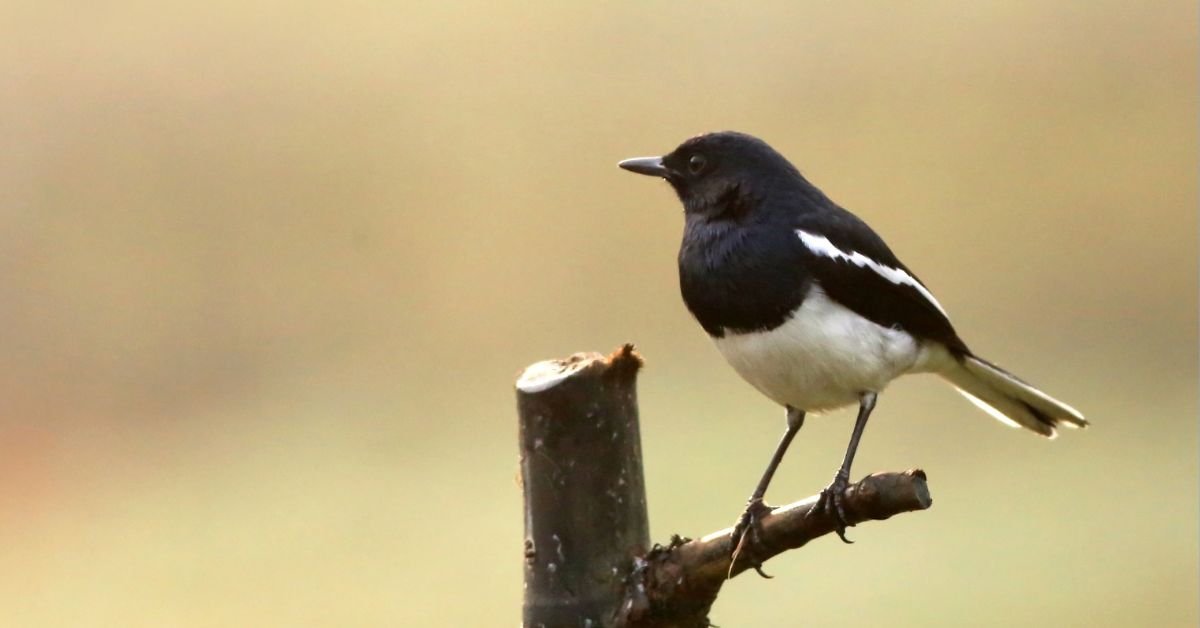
(586, 530)
(677, 584)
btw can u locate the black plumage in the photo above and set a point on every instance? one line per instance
(747, 271)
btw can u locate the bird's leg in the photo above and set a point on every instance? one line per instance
(751, 518)
(831, 496)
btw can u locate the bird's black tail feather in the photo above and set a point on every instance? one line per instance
(1009, 399)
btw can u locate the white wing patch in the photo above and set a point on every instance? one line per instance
(820, 245)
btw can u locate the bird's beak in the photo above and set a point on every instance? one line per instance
(651, 166)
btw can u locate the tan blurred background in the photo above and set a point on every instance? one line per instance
(268, 271)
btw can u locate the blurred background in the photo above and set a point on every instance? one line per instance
(268, 272)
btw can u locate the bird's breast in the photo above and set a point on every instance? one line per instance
(823, 356)
(740, 278)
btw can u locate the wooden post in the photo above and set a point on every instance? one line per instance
(585, 499)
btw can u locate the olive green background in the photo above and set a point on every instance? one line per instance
(268, 272)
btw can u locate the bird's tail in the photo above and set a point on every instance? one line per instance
(1007, 398)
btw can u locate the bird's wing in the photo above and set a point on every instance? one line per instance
(856, 268)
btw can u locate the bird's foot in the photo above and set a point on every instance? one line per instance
(830, 503)
(747, 535)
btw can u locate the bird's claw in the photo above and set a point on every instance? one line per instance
(830, 503)
(747, 533)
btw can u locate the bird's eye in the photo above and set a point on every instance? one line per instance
(696, 164)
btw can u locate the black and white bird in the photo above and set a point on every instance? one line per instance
(810, 306)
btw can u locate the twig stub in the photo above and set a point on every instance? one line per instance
(585, 498)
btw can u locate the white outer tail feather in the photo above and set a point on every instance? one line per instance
(1010, 400)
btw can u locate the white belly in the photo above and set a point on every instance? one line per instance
(823, 357)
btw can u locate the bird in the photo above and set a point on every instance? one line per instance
(811, 307)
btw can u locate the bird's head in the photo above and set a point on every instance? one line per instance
(723, 175)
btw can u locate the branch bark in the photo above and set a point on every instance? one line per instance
(676, 585)
(588, 560)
